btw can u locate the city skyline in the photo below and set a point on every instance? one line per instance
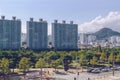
(95, 15)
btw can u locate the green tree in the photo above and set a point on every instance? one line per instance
(82, 59)
(118, 58)
(94, 61)
(89, 55)
(103, 57)
(4, 66)
(55, 64)
(110, 58)
(73, 54)
(24, 64)
(62, 55)
(40, 64)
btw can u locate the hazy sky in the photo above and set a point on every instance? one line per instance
(82, 12)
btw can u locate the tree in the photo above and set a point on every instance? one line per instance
(93, 61)
(4, 66)
(40, 64)
(62, 55)
(103, 57)
(110, 58)
(73, 54)
(89, 55)
(66, 64)
(99, 48)
(55, 63)
(82, 59)
(24, 64)
(51, 55)
(118, 58)
(67, 60)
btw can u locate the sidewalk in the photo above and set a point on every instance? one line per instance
(110, 78)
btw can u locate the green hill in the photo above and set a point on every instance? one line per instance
(105, 33)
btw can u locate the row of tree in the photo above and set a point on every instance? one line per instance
(25, 59)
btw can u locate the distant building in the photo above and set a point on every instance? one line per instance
(83, 39)
(91, 39)
(115, 41)
(37, 34)
(49, 41)
(23, 40)
(10, 33)
(64, 35)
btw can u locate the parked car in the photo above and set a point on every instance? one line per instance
(90, 69)
(96, 71)
(105, 69)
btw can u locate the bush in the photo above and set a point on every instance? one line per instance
(60, 67)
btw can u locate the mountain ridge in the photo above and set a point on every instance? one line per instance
(105, 33)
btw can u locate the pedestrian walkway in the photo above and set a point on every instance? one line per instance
(90, 76)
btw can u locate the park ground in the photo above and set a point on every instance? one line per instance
(60, 74)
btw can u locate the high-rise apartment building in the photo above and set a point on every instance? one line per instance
(10, 33)
(64, 35)
(83, 39)
(37, 34)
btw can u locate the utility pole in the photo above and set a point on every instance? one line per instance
(113, 63)
(77, 66)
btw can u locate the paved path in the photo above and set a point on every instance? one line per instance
(81, 76)
(85, 76)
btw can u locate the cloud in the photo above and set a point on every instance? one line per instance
(112, 20)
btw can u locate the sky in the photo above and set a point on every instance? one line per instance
(90, 15)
